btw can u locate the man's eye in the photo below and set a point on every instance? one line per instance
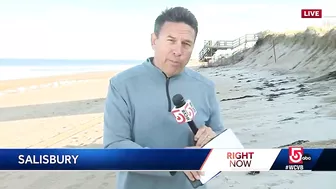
(187, 44)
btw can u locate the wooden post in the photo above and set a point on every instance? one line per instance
(274, 52)
(245, 41)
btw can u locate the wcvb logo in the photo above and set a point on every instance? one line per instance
(185, 113)
(296, 155)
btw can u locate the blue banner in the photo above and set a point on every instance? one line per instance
(102, 159)
(150, 159)
(305, 159)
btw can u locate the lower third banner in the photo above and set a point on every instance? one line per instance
(294, 158)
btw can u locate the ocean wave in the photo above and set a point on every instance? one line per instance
(22, 72)
(54, 84)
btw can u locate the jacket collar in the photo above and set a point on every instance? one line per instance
(149, 63)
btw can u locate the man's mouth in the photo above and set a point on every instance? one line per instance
(174, 62)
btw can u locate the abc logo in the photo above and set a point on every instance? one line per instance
(306, 157)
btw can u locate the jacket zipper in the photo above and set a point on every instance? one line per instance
(167, 92)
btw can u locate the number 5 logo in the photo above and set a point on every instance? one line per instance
(179, 116)
(190, 110)
(295, 155)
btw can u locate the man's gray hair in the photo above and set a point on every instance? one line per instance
(176, 14)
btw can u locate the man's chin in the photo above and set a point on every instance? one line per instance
(175, 71)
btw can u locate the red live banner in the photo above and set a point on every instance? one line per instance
(311, 13)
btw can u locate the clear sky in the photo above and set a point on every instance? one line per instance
(110, 29)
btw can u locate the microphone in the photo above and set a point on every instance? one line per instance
(184, 112)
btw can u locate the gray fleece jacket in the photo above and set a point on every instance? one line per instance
(137, 115)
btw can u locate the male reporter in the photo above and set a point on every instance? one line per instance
(139, 100)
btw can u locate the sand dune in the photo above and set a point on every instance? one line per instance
(311, 51)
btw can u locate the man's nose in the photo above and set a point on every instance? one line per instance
(177, 49)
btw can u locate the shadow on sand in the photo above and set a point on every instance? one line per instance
(52, 110)
(94, 145)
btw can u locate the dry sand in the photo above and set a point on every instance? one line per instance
(279, 108)
(68, 115)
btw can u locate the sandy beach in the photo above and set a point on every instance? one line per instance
(266, 107)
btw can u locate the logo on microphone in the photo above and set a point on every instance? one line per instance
(185, 113)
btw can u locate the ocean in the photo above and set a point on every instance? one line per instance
(31, 68)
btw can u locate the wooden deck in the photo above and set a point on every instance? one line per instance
(210, 49)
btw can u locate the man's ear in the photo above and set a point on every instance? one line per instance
(153, 40)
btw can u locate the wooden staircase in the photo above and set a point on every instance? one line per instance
(210, 49)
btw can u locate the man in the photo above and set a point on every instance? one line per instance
(139, 102)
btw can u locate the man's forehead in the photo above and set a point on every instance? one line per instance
(178, 30)
(187, 38)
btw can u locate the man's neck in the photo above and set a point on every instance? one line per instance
(157, 65)
(154, 63)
